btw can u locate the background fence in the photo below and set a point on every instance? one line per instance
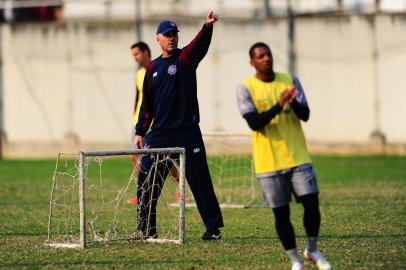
(70, 85)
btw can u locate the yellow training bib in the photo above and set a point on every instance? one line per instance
(139, 83)
(280, 144)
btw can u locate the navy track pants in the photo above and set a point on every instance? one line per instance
(197, 176)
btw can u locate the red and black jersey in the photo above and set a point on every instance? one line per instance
(170, 88)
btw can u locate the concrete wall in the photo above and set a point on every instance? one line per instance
(67, 78)
(74, 9)
(335, 61)
(70, 86)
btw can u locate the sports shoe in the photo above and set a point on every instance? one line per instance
(297, 266)
(178, 196)
(318, 259)
(212, 234)
(133, 200)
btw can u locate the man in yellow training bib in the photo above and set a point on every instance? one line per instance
(142, 55)
(273, 104)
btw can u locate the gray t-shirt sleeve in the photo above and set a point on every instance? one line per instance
(244, 100)
(301, 97)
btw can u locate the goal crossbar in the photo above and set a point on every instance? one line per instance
(175, 150)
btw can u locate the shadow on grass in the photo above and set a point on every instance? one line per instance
(250, 238)
(356, 236)
(324, 236)
(45, 234)
(231, 239)
(131, 263)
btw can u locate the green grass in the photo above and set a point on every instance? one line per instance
(363, 205)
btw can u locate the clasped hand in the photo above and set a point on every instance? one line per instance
(287, 96)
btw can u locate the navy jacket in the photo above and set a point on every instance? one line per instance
(170, 88)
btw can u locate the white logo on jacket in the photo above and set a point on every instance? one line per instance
(196, 150)
(172, 70)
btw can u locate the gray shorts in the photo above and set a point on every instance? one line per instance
(277, 189)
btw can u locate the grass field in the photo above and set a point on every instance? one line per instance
(363, 206)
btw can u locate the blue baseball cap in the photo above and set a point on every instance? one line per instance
(166, 26)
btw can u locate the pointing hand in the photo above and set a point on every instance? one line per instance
(211, 18)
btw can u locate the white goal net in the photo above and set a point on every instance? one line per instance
(94, 194)
(94, 198)
(232, 170)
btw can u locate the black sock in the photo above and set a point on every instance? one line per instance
(284, 227)
(311, 216)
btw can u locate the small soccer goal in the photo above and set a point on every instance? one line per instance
(94, 194)
(94, 198)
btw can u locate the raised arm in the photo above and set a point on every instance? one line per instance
(194, 52)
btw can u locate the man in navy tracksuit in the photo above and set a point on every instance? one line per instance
(170, 104)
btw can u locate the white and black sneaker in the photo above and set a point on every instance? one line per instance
(212, 234)
(317, 258)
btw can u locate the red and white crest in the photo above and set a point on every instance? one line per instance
(172, 70)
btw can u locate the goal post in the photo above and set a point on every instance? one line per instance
(88, 201)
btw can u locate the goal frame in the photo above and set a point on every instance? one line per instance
(82, 244)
